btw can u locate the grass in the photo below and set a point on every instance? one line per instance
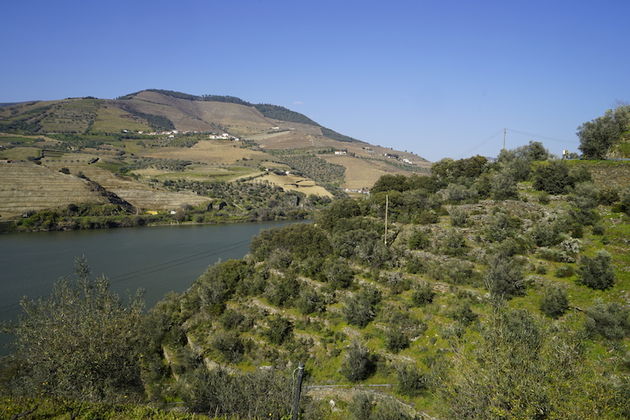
(113, 119)
(20, 153)
(606, 173)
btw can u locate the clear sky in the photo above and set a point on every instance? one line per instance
(439, 78)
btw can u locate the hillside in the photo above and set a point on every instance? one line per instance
(150, 145)
(500, 290)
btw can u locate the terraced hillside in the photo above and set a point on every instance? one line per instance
(472, 294)
(25, 186)
(268, 127)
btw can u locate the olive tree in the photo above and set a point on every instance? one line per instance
(81, 342)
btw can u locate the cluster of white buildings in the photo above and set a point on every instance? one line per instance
(223, 136)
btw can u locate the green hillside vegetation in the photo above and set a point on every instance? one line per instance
(499, 290)
(607, 136)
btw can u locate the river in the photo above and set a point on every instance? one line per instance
(157, 259)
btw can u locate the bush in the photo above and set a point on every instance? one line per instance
(598, 230)
(552, 177)
(425, 217)
(279, 330)
(310, 301)
(360, 309)
(596, 272)
(338, 274)
(419, 239)
(395, 281)
(416, 265)
(564, 271)
(231, 319)
(504, 278)
(598, 135)
(459, 217)
(503, 186)
(555, 301)
(359, 363)
(608, 195)
(463, 313)
(260, 394)
(396, 340)
(422, 293)
(282, 290)
(453, 243)
(609, 320)
(82, 342)
(411, 381)
(229, 345)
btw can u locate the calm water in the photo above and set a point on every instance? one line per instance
(157, 259)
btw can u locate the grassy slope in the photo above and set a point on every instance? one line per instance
(330, 332)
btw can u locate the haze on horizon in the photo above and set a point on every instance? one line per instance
(435, 78)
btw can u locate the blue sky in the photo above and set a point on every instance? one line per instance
(439, 78)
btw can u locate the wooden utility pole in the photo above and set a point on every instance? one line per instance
(504, 136)
(298, 391)
(386, 211)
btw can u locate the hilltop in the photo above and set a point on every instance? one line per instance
(156, 150)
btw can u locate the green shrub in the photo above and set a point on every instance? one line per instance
(229, 345)
(453, 243)
(555, 301)
(310, 301)
(282, 290)
(396, 340)
(260, 394)
(83, 342)
(608, 195)
(395, 281)
(596, 272)
(411, 381)
(543, 198)
(503, 186)
(598, 230)
(459, 217)
(231, 319)
(338, 274)
(463, 313)
(552, 177)
(609, 320)
(422, 293)
(360, 309)
(359, 363)
(504, 278)
(564, 271)
(279, 330)
(425, 217)
(419, 239)
(416, 265)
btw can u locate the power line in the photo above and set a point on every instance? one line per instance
(543, 137)
(483, 142)
(167, 265)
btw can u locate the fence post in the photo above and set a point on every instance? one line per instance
(298, 391)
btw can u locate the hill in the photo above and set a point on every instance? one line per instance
(496, 290)
(153, 139)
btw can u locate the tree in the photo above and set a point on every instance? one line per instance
(358, 364)
(552, 177)
(555, 301)
(504, 278)
(82, 342)
(522, 369)
(598, 135)
(596, 272)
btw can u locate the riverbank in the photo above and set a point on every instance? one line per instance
(55, 221)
